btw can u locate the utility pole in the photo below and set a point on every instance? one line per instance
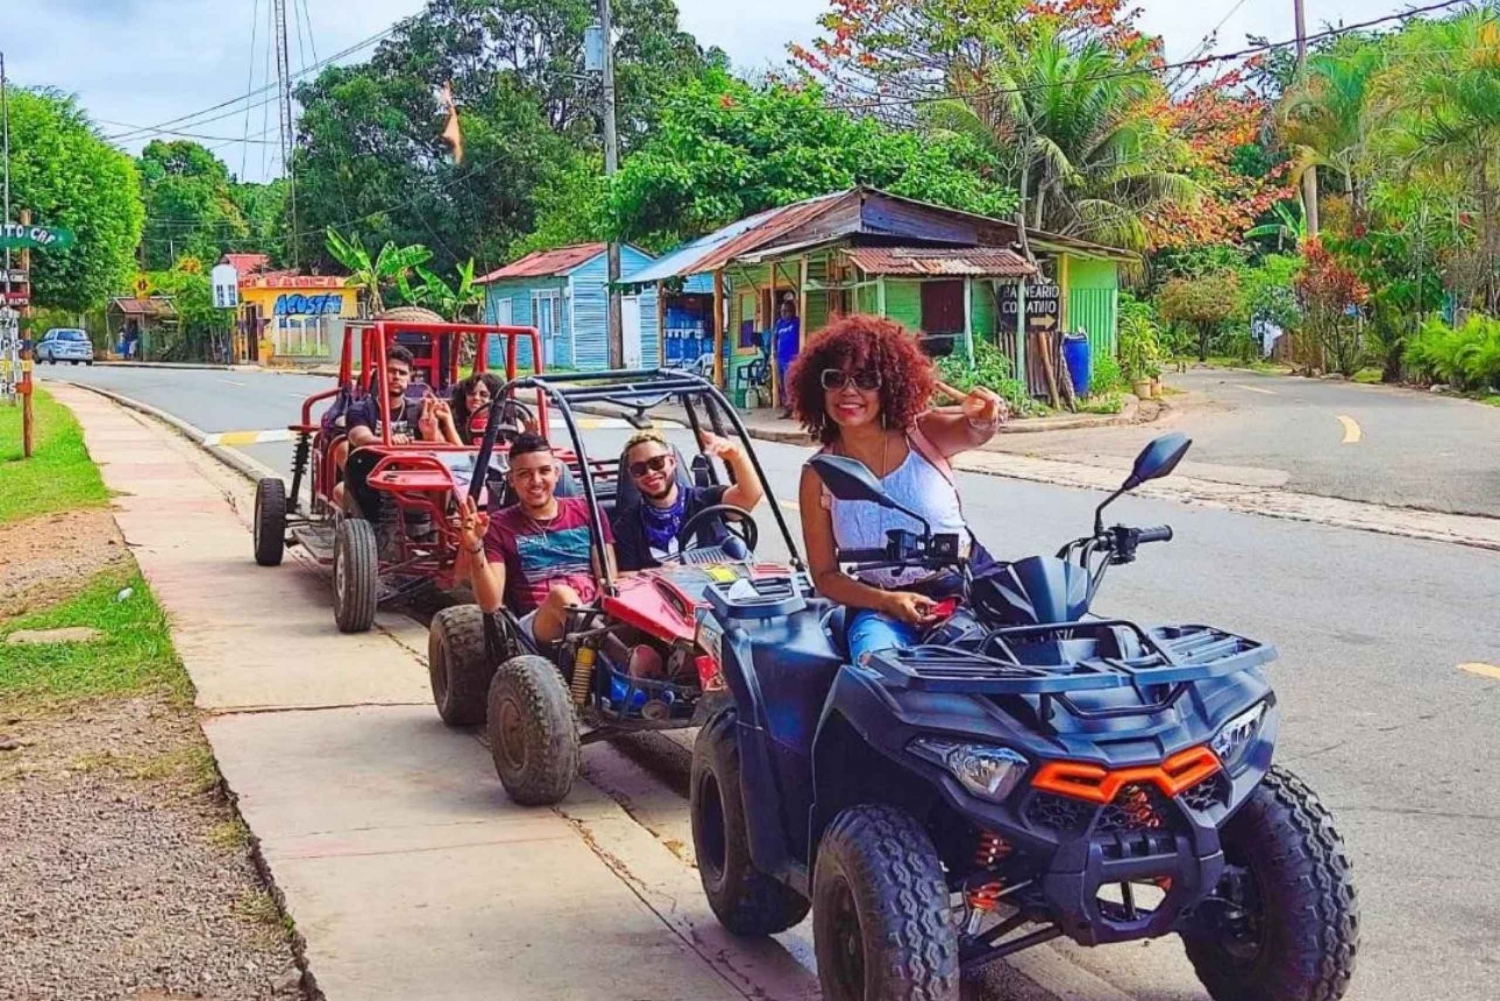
(288, 125)
(1310, 176)
(616, 338)
(27, 420)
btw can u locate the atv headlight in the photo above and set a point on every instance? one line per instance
(986, 771)
(1236, 736)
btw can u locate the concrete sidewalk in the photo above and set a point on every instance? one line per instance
(406, 869)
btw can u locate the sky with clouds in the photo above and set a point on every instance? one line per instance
(142, 62)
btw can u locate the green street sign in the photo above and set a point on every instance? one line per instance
(14, 235)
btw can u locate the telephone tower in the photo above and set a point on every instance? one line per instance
(288, 125)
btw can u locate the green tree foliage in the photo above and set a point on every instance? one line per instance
(202, 330)
(370, 160)
(67, 176)
(1205, 304)
(190, 208)
(725, 149)
(374, 276)
(1467, 357)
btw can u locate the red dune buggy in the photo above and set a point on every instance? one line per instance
(397, 535)
(630, 661)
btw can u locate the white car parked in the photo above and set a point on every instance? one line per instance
(65, 344)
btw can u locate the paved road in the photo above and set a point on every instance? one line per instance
(1379, 717)
(1337, 439)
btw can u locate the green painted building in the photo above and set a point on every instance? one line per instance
(940, 272)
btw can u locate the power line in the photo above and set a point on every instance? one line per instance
(1198, 62)
(190, 135)
(250, 79)
(257, 92)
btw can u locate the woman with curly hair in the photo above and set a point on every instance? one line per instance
(468, 397)
(861, 386)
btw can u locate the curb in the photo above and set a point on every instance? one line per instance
(212, 367)
(235, 460)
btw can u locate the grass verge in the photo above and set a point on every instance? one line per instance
(58, 477)
(133, 653)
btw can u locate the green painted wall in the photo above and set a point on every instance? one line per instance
(903, 302)
(1093, 295)
(982, 308)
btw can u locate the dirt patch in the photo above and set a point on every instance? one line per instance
(49, 557)
(126, 874)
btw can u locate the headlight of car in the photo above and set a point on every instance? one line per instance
(988, 772)
(1236, 736)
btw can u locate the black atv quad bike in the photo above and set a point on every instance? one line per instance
(1029, 771)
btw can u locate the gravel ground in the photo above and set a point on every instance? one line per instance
(124, 873)
(42, 559)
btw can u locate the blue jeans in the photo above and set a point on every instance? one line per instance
(869, 632)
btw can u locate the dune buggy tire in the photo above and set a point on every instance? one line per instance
(270, 521)
(356, 575)
(458, 665)
(1309, 914)
(745, 900)
(532, 731)
(882, 922)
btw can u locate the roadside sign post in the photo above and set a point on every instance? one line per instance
(25, 388)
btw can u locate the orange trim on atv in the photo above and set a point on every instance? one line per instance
(1081, 780)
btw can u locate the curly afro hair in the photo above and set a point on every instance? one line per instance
(860, 342)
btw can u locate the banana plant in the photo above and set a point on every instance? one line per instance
(456, 302)
(1290, 226)
(391, 266)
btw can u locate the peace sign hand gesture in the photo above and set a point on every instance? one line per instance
(473, 525)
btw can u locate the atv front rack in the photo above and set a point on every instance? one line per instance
(1034, 660)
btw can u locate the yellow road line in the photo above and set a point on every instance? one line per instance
(1483, 670)
(1256, 389)
(1351, 430)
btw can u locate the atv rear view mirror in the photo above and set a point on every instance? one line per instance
(1156, 460)
(851, 480)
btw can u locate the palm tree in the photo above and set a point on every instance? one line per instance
(1071, 121)
(1328, 117)
(370, 275)
(1444, 95)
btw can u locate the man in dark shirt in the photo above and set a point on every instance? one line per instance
(411, 419)
(647, 531)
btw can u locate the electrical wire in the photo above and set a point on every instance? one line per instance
(250, 79)
(1202, 61)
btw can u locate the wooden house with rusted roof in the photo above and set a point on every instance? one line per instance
(938, 271)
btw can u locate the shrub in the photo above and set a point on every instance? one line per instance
(1141, 350)
(1466, 357)
(992, 370)
(1105, 376)
(1204, 304)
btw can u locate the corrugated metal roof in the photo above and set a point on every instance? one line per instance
(157, 305)
(545, 263)
(976, 262)
(711, 252)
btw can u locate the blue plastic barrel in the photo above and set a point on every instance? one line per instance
(1076, 352)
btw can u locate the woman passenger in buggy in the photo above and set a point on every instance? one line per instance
(646, 529)
(467, 402)
(861, 387)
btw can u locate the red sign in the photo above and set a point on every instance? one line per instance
(14, 298)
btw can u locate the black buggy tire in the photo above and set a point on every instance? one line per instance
(356, 575)
(1304, 948)
(882, 922)
(532, 731)
(458, 665)
(745, 900)
(270, 520)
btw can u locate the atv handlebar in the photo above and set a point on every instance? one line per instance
(1161, 533)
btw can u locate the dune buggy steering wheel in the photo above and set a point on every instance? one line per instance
(747, 530)
(512, 415)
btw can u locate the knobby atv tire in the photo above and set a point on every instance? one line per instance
(745, 900)
(270, 521)
(532, 731)
(1310, 923)
(882, 925)
(356, 575)
(458, 665)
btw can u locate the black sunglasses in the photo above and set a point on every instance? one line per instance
(837, 378)
(655, 464)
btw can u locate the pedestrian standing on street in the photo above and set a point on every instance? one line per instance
(788, 337)
(861, 388)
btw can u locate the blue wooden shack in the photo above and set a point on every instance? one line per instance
(562, 292)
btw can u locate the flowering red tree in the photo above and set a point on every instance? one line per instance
(1330, 294)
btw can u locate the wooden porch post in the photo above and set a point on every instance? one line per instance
(1021, 372)
(661, 326)
(719, 328)
(880, 295)
(771, 354)
(1063, 284)
(802, 304)
(969, 318)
